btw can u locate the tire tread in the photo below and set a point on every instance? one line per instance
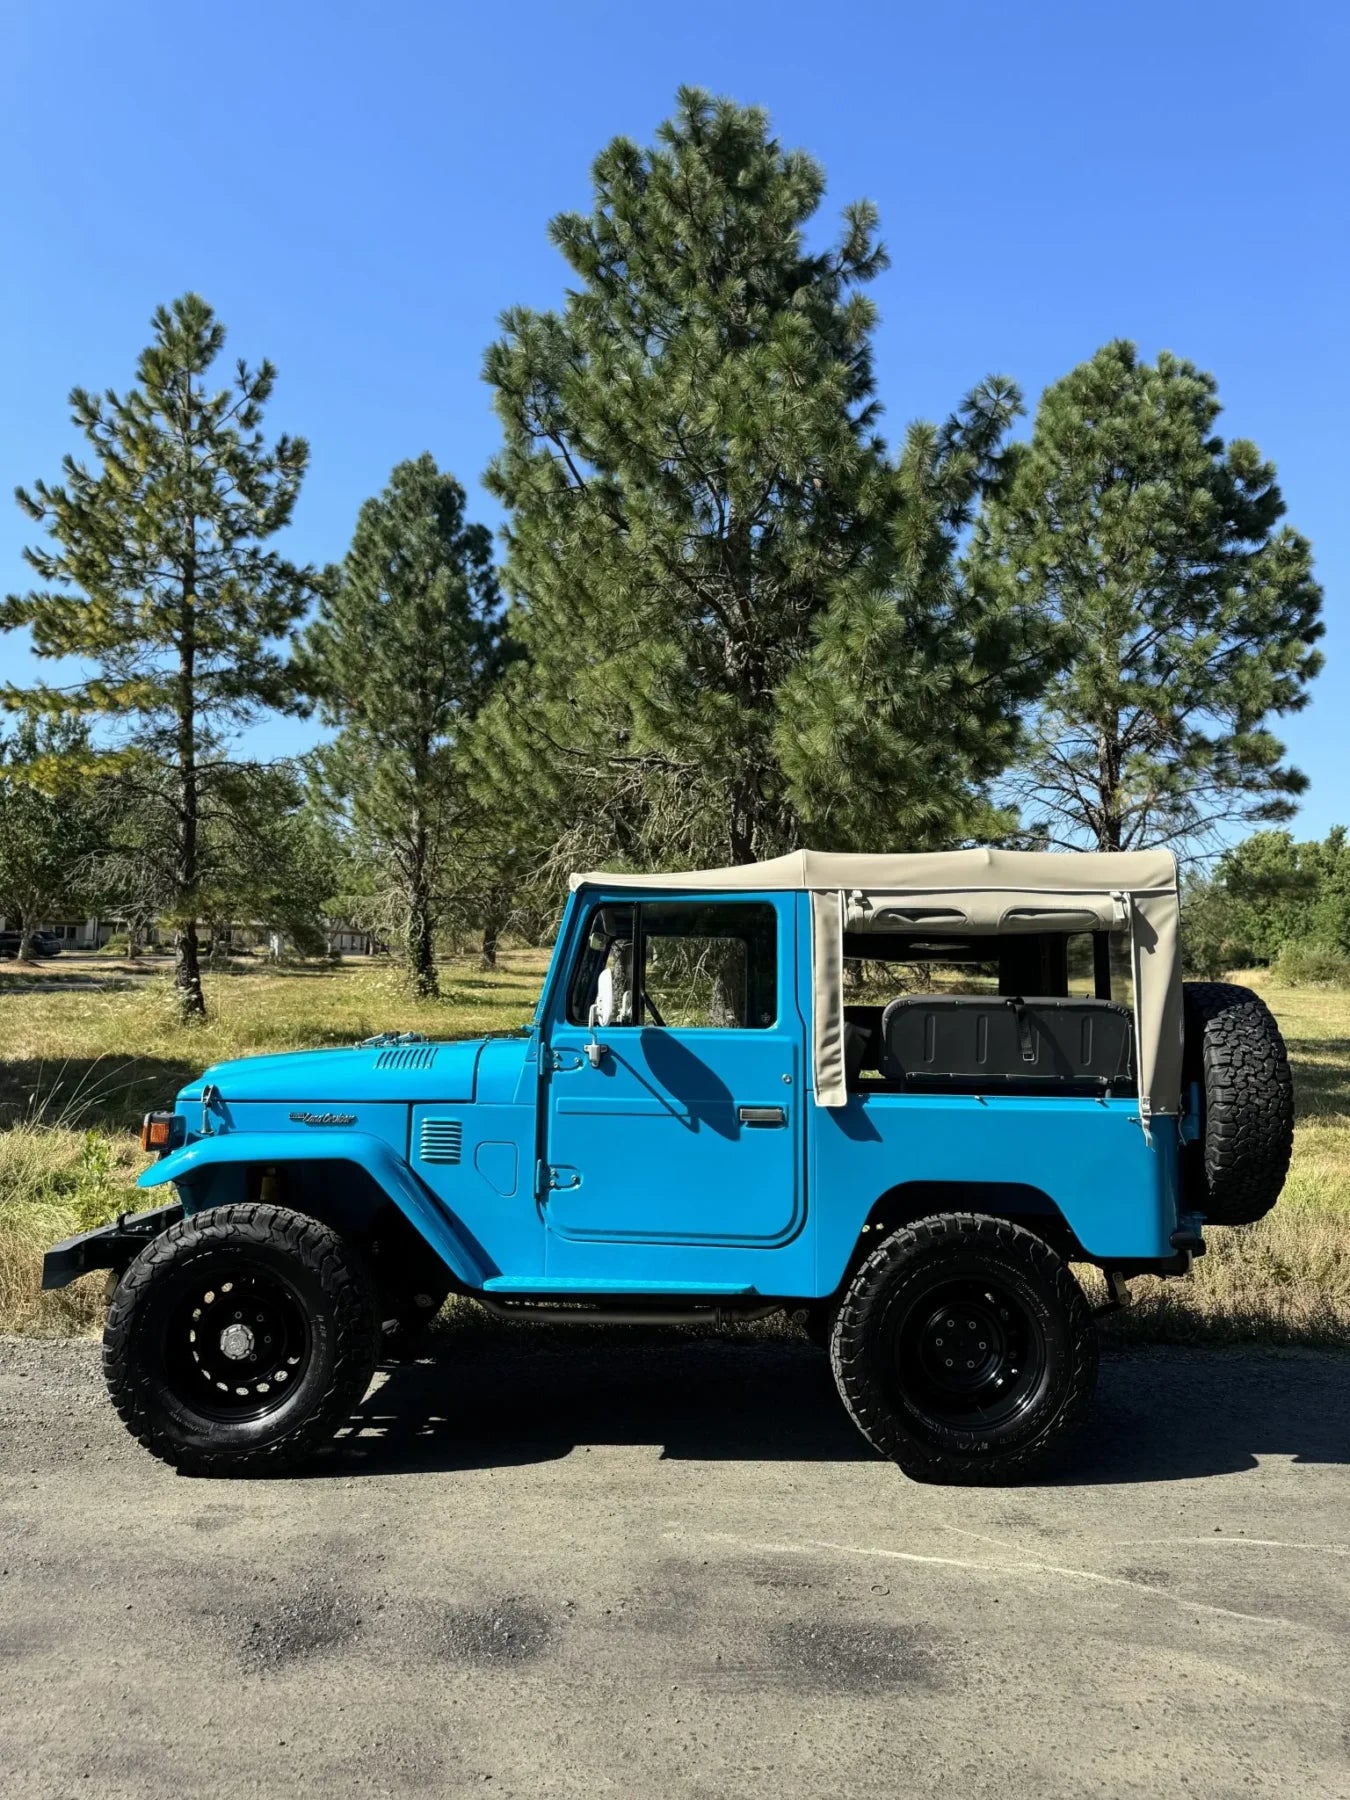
(345, 1280)
(863, 1396)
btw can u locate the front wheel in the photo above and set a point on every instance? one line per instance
(239, 1339)
(964, 1348)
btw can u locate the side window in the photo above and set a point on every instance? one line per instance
(601, 988)
(708, 964)
(704, 964)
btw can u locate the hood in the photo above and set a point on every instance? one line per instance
(411, 1072)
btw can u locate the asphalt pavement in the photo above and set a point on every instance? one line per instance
(605, 1563)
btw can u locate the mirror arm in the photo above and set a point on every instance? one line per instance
(595, 1050)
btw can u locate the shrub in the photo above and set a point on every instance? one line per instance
(1311, 965)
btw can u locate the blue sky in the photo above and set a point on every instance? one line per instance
(360, 189)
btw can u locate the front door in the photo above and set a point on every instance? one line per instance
(675, 1086)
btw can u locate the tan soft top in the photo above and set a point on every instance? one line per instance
(968, 892)
(1044, 871)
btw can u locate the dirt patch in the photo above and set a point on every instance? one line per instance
(503, 1632)
(294, 1629)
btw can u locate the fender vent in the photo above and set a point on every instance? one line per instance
(417, 1056)
(442, 1140)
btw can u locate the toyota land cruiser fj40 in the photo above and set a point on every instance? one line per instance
(741, 1092)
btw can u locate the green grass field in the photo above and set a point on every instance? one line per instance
(81, 1064)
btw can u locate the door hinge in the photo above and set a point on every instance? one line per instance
(548, 1179)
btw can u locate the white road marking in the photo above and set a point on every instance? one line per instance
(1036, 1567)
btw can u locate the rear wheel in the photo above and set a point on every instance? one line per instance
(964, 1348)
(240, 1339)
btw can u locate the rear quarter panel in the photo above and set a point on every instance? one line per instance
(1089, 1158)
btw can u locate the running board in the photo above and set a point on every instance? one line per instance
(569, 1287)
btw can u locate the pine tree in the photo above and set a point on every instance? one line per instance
(1186, 615)
(159, 577)
(50, 829)
(742, 622)
(406, 645)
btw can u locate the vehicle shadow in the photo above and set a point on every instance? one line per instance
(492, 1399)
(499, 1400)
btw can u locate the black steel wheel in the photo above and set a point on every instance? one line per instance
(239, 1339)
(964, 1348)
(965, 1353)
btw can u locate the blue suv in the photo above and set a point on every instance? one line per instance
(742, 1092)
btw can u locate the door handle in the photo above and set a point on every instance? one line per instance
(762, 1115)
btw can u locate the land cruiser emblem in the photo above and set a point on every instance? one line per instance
(306, 1118)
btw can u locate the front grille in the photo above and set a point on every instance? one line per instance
(415, 1056)
(442, 1140)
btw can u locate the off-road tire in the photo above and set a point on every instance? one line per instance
(882, 1392)
(327, 1285)
(1234, 1172)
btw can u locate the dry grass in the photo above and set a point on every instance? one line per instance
(81, 1066)
(1285, 1280)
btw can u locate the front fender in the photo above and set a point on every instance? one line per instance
(442, 1231)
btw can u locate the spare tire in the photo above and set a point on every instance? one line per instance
(1234, 1171)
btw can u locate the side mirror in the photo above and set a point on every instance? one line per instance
(595, 1050)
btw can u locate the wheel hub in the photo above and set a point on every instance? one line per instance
(963, 1346)
(965, 1351)
(237, 1342)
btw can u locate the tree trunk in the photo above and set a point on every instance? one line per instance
(741, 833)
(187, 973)
(1110, 762)
(421, 950)
(421, 947)
(27, 937)
(487, 956)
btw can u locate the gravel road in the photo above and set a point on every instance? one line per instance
(607, 1564)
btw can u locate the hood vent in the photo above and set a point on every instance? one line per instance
(442, 1140)
(415, 1056)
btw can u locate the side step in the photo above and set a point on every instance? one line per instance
(571, 1287)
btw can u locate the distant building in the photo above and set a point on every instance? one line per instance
(78, 934)
(340, 938)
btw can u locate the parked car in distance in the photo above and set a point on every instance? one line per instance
(738, 1095)
(45, 943)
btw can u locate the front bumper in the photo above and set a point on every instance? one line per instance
(109, 1247)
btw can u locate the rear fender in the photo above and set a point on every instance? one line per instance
(1027, 1206)
(193, 1168)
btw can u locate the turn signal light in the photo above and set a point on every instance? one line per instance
(157, 1131)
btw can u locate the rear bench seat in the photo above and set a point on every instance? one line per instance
(992, 1044)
